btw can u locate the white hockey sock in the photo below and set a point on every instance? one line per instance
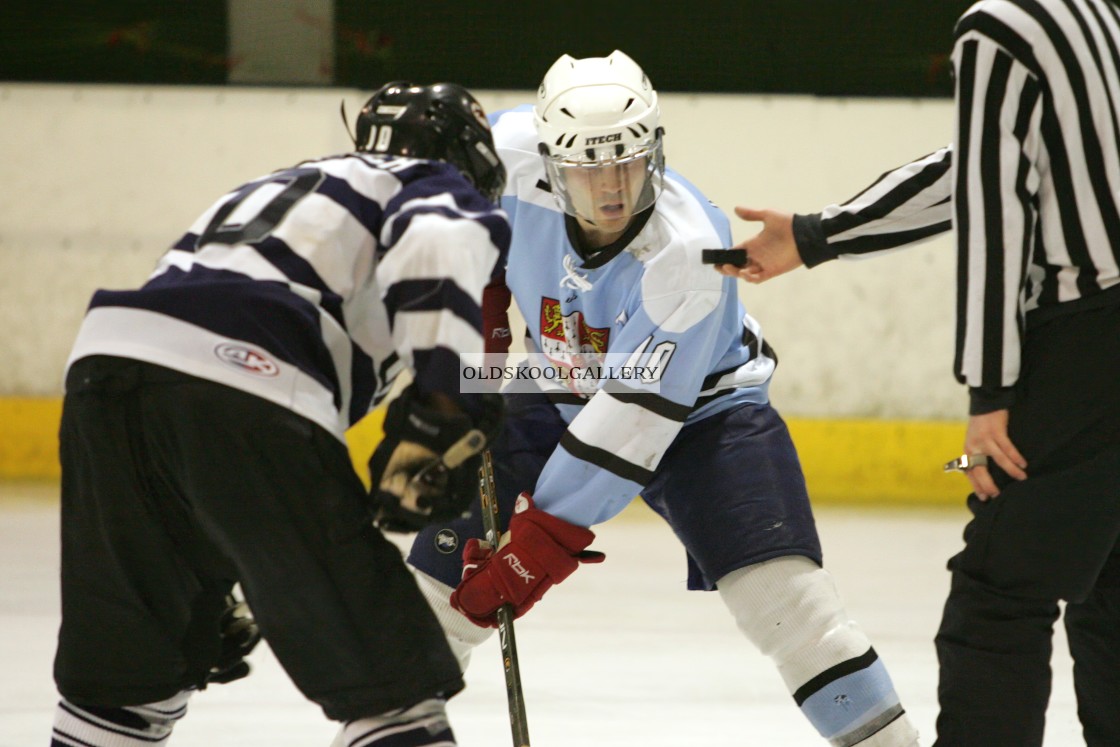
(132, 726)
(790, 609)
(462, 634)
(423, 725)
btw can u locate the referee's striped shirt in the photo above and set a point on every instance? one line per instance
(1031, 182)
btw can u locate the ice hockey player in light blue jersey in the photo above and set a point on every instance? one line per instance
(605, 267)
(647, 291)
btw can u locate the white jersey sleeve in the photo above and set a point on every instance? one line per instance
(616, 441)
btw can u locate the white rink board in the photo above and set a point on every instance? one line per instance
(110, 176)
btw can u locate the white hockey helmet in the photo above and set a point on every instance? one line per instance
(598, 113)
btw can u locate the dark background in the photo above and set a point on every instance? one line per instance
(822, 47)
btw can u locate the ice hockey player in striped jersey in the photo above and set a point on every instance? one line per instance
(1031, 186)
(605, 265)
(202, 439)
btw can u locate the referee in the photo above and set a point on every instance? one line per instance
(1031, 184)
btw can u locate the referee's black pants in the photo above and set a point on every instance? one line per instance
(174, 488)
(1048, 538)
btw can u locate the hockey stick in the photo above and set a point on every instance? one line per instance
(517, 720)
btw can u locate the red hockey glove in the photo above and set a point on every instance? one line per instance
(542, 550)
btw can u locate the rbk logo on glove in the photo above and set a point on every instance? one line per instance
(539, 551)
(519, 569)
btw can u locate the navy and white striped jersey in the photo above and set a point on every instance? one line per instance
(654, 301)
(1031, 183)
(315, 286)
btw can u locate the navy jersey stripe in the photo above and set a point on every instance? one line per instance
(282, 323)
(465, 198)
(605, 459)
(432, 294)
(366, 211)
(298, 269)
(656, 404)
(566, 398)
(186, 243)
(363, 384)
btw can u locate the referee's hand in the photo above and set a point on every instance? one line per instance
(987, 434)
(770, 252)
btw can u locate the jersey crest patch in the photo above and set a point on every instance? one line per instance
(568, 338)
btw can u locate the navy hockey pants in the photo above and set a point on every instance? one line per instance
(730, 486)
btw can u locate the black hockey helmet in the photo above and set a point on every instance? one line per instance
(440, 122)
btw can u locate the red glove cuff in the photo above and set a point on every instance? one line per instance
(570, 537)
(542, 551)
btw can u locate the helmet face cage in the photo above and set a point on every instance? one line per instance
(625, 180)
(598, 124)
(440, 122)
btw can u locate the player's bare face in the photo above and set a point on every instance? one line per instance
(604, 196)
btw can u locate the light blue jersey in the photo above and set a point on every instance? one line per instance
(656, 297)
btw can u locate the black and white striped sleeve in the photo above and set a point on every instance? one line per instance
(904, 206)
(996, 180)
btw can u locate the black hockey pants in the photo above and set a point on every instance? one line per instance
(174, 487)
(1051, 537)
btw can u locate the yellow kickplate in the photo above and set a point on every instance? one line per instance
(845, 461)
(29, 437)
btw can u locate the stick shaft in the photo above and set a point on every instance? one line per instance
(517, 719)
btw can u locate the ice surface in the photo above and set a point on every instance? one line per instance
(620, 655)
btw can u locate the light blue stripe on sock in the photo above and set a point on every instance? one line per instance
(850, 701)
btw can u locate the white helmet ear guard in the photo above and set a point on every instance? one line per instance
(598, 112)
